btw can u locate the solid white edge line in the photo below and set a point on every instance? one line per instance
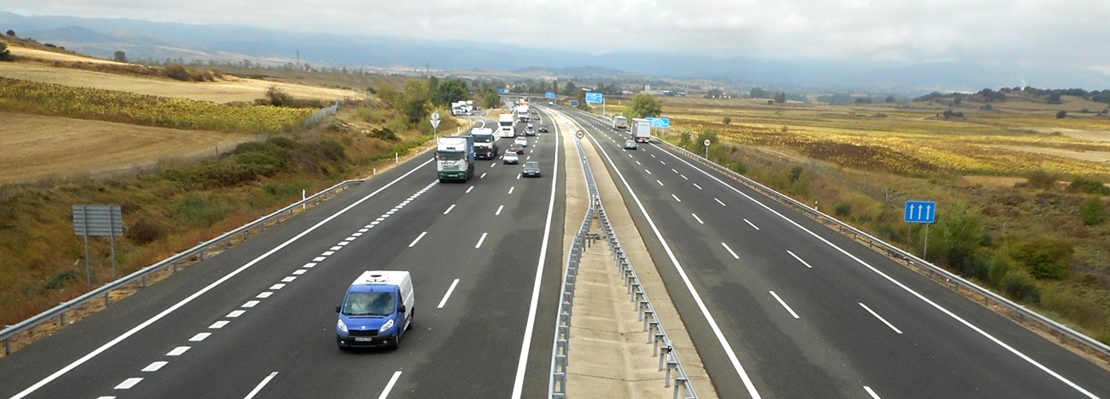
(450, 208)
(783, 303)
(413, 243)
(799, 259)
(480, 240)
(689, 285)
(751, 224)
(518, 383)
(870, 392)
(260, 385)
(203, 291)
(448, 294)
(389, 386)
(734, 255)
(880, 318)
(897, 283)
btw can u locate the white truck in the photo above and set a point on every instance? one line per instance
(455, 158)
(505, 126)
(641, 130)
(522, 113)
(485, 143)
(620, 123)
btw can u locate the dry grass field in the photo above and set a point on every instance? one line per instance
(38, 147)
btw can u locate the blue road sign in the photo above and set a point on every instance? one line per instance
(660, 122)
(921, 212)
(574, 103)
(549, 94)
(594, 98)
(502, 90)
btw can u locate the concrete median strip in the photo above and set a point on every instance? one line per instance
(610, 354)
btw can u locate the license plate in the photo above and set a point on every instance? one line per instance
(364, 339)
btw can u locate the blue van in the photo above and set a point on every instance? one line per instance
(376, 311)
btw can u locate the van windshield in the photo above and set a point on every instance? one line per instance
(369, 304)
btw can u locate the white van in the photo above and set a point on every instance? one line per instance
(376, 311)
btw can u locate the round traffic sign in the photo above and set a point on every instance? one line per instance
(580, 134)
(707, 142)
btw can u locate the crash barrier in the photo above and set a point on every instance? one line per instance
(139, 279)
(661, 343)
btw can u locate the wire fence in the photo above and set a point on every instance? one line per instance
(322, 113)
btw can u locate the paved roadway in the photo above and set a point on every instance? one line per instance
(259, 318)
(787, 308)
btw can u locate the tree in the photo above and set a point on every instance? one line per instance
(958, 235)
(779, 97)
(890, 99)
(758, 93)
(555, 86)
(491, 98)
(414, 102)
(570, 90)
(5, 55)
(1061, 114)
(449, 91)
(119, 56)
(11, 33)
(714, 93)
(643, 105)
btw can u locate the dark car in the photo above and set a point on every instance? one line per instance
(629, 144)
(543, 129)
(531, 169)
(517, 148)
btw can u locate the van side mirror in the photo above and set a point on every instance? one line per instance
(401, 309)
(337, 308)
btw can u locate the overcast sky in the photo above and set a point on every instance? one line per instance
(1026, 32)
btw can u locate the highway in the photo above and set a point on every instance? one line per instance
(259, 319)
(779, 306)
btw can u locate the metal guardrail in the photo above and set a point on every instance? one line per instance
(322, 112)
(198, 252)
(657, 336)
(1062, 332)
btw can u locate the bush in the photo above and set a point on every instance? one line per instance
(726, 120)
(1088, 186)
(5, 55)
(843, 209)
(1044, 259)
(1021, 288)
(1042, 179)
(1061, 114)
(147, 230)
(1093, 212)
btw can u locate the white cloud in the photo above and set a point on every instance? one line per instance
(1027, 32)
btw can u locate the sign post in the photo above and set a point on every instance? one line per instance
(435, 124)
(98, 220)
(707, 143)
(922, 212)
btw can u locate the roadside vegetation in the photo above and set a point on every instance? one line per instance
(1023, 208)
(176, 204)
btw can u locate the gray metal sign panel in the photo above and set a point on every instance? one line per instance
(97, 220)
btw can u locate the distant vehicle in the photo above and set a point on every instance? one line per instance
(505, 125)
(630, 144)
(620, 123)
(641, 130)
(529, 132)
(534, 112)
(517, 148)
(550, 103)
(377, 309)
(485, 143)
(543, 129)
(523, 141)
(510, 157)
(531, 169)
(455, 158)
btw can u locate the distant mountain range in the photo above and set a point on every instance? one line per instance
(160, 40)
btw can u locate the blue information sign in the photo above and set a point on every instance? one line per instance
(502, 90)
(549, 94)
(921, 212)
(574, 103)
(595, 98)
(661, 122)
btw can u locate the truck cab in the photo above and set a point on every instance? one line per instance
(377, 309)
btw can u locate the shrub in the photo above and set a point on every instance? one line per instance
(1042, 179)
(1093, 213)
(5, 55)
(196, 211)
(843, 209)
(727, 120)
(1043, 258)
(1081, 185)
(1061, 114)
(1021, 288)
(146, 230)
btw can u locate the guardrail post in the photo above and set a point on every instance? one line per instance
(649, 315)
(679, 381)
(671, 365)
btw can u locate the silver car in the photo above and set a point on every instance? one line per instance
(510, 157)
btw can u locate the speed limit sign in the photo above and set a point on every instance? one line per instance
(707, 142)
(580, 134)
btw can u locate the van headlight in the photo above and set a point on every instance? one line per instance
(387, 325)
(342, 327)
